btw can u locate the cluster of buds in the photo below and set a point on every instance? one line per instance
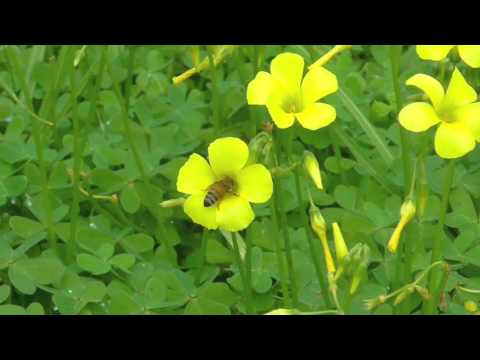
(407, 213)
(220, 52)
(260, 149)
(355, 266)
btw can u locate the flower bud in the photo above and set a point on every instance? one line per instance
(423, 292)
(313, 169)
(341, 250)
(195, 53)
(470, 306)
(358, 275)
(172, 203)
(407, 212)
(371, 304)
(404, 295)
(218, 56)
(329, 55)
(319, 227)
(257, 147)
(283, 312)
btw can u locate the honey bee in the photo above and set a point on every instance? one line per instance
(217, 191)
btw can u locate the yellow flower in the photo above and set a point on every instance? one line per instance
(470, 306)
(407, 212)
(470, 54)
(287, 97)
(329, 55)
(456, 111)
(227, 159)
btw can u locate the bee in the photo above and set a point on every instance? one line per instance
(217, 191)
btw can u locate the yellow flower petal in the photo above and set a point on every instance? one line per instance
(418, 116)
(282, 119)
(234, 214)
(255, 183)
(429, 86)
(195, 175)
(318, 82)
(288, 68)
(469, 116)
(316, 116)
(259, 89)
(227, 156)
(453, 140)
(433, 52)
(470, 54)
(459, 92)
(207, 217)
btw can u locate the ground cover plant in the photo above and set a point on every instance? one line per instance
(321, 180)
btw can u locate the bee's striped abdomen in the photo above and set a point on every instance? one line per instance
(210, 199)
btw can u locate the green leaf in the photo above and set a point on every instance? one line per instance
(155, 291)
(138, 243)
(4, 292)
(217, 253)
(130, 200)
(93, 264)
(25, 227)
(26, 274)
(123, 261)
(12, 310)
(35, 309)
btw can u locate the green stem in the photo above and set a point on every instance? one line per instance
(338, 154)
(37, 138)
(308, 232)
(248, 262)
(203, 256)
(215, 94)
(275, 226)
(395, 54)
(77, 157)
(241, 270)
(284, 230)
(430, 307)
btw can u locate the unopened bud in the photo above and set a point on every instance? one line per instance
(195, 52)
(319, 227)
(470, 306)
(341, 250)
(258, 148)
(114, 199)
(172, 203)
(329, 55)
(313, 169)
(423, 292)
(283, 312)
(218, 56)
(407, 213)
(371, 304)
(404, 295)
(358, 275)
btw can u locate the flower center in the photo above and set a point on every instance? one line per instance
(292, 103)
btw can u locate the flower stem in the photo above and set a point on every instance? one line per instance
(311, 243)
(38, 140)
(395, 53)
(241, 270)
(215, 94)
(284, 229)
(338, 154)
(278, 250)
(430, 307)
(203, 256)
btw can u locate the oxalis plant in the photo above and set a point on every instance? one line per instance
(280, 180)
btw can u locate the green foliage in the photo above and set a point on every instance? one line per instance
(88, 153)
